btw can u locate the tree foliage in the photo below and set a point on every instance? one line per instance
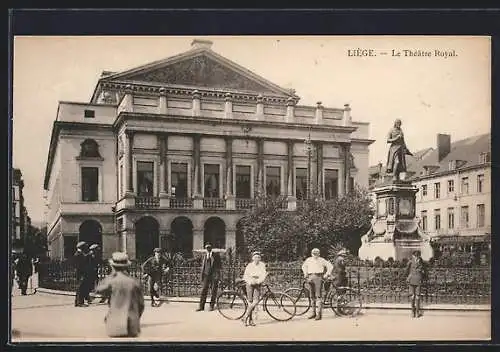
(287, 235)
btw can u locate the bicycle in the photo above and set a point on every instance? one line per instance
(343, 300)
(233, 304)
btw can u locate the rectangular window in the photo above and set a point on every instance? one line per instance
(90, 184)
(89, 114)
(480, 183)
(69, 246)
(424, 190)
(301, 183)
(451, 186)
(145, 178)
(273, 181)
(480, 215)
(464, 217)
(451, 218)
(351, 184)
(212, 181)
(437, 219)
(331, 183)
(243, 181)
(423, 215)
(465, 185)
(437, 190)
(179, 180)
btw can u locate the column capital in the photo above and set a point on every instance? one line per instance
(163, 91)
(228, 97)
(196, 94)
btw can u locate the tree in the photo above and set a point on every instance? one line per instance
(285, 235)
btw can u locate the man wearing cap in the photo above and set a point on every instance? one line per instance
(210, 275)
(154, 268)
(126, 303)
(339, 272)
(416, 273)
(254, 275)
(315, 269)
(81, 260)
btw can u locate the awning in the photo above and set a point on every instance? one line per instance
(461, 239)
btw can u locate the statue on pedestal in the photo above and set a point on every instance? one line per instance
(396, 157)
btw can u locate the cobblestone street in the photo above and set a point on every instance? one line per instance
(43, 317)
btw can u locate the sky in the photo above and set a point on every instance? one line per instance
(430, 95)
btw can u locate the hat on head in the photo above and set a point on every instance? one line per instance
(157, 250)
(208, 245)
(256, 253)
(342, 252)
(94, 246)
(81, 244)
(119, 260)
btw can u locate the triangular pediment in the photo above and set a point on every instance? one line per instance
(204, 69)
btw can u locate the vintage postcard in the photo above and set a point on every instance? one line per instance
(251, 188)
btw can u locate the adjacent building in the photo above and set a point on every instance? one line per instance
(454, 182)
(20, 219)
(174, 153)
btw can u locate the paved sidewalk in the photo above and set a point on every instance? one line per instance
(433, 306)
(44, 317)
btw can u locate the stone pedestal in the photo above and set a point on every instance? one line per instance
(395, 231)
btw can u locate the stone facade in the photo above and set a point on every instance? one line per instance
(177, 155)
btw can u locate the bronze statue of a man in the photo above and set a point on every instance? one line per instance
(396, 158)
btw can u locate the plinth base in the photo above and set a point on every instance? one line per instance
(398, 251)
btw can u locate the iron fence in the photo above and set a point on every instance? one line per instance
(376, 284)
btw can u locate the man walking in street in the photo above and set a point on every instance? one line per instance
(154, 268)
(315, 269)
(126, 304)
(210, 275)
(416, 274)
(81, 260)
(93, 275)
(23, 270)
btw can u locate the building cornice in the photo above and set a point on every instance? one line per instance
(362, 141)
(124, 116)
(451, 172)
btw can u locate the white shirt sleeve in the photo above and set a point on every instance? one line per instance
(304, 266)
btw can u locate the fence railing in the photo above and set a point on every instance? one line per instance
(377, 285)
(147, 202)
(181, 203)
(214, 203)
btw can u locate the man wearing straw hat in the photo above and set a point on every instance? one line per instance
(126, 303)
(210, 275)
(315, 269)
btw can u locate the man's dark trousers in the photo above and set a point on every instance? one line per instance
(209, 280)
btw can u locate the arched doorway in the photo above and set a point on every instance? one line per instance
(90, 231)
(215, 232)
(147, 237)
(182, 236)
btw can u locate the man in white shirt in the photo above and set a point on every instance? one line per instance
(315, 269)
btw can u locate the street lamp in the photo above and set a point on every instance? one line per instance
(308, 148)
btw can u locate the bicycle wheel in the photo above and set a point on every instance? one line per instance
(231, 305)
(279, 306)
(347, 302)
(301, 299)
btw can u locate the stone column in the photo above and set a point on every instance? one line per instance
(259, 113)
(162, 106)
(319, 113)
(290, 110)
(198, 197)
(347, 168)
(347, 120)
(230, 238)
(127, 103)
(319, 168)
(130, 175)
(164, 200)
(198, 239)
(230, 199)
(260, 166)
(292, 201)
(228, 106)
(196, 103)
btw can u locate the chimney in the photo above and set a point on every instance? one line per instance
(201, 44)
(443, 145)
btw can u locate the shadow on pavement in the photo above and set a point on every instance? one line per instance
(148, 325)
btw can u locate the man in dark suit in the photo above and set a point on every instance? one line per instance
(416, 274)
(82, 263)
(154, 269)
(210, 275)
(23, 270)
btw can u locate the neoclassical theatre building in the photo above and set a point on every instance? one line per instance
(174, 152)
